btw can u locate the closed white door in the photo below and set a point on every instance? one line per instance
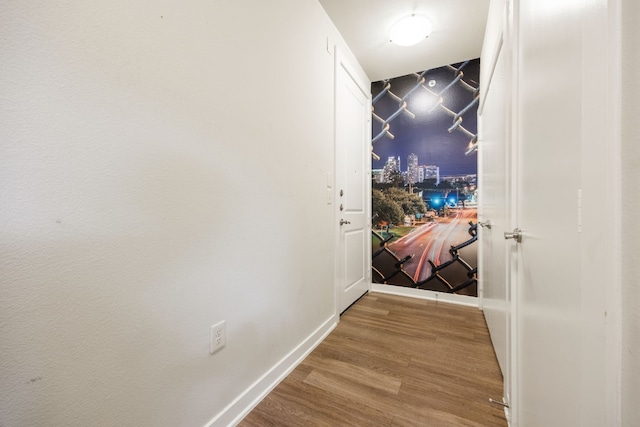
(353, 165)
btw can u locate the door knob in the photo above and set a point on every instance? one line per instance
(343, 222)
(516, 235)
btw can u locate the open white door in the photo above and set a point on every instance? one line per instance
(548, 156)
(547, 260)
(545, 263)
(494, 219)
(353, 168)
(559, 280)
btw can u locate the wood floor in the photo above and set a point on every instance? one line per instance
(393, 361)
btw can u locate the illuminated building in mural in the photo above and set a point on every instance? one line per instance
(412, 169)
(426, 172)
(392, 166)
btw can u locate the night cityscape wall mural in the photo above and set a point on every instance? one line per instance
(424, 179)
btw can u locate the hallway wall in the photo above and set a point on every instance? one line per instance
(630, 208)
(163, 167)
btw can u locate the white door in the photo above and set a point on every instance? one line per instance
(353, 165)
(547, 292)
(562, 361)
(494, 218)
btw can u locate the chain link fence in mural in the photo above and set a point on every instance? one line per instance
(389, 269)
(457, 79)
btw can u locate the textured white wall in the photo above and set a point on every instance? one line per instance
(163, 166)
(630, 209)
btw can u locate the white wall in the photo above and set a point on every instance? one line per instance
(163, 166)
(630, 209)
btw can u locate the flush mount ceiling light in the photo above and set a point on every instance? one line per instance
(410, 30)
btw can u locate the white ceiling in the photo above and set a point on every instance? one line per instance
(458, 31)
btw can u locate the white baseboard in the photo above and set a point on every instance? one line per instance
(425, 294)
(249, 399)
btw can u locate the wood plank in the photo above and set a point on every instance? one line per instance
(393, 361)
(350, 373)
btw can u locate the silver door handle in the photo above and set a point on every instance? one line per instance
(516, 235)
(343, 222)
(486, 223)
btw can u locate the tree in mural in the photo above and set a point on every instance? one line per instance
(393, 204)
(385, 209)
(411, 204)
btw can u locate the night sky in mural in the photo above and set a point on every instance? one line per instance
(427, 135)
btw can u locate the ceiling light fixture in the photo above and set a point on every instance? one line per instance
(410, 30)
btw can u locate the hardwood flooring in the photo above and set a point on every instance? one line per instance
(393, 361)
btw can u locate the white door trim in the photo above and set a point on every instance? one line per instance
(613, 304)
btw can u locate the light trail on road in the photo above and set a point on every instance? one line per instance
(423, 270)
(431, 242)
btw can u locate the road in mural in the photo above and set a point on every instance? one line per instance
(424, 179)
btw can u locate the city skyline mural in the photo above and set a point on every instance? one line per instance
(424, 180)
